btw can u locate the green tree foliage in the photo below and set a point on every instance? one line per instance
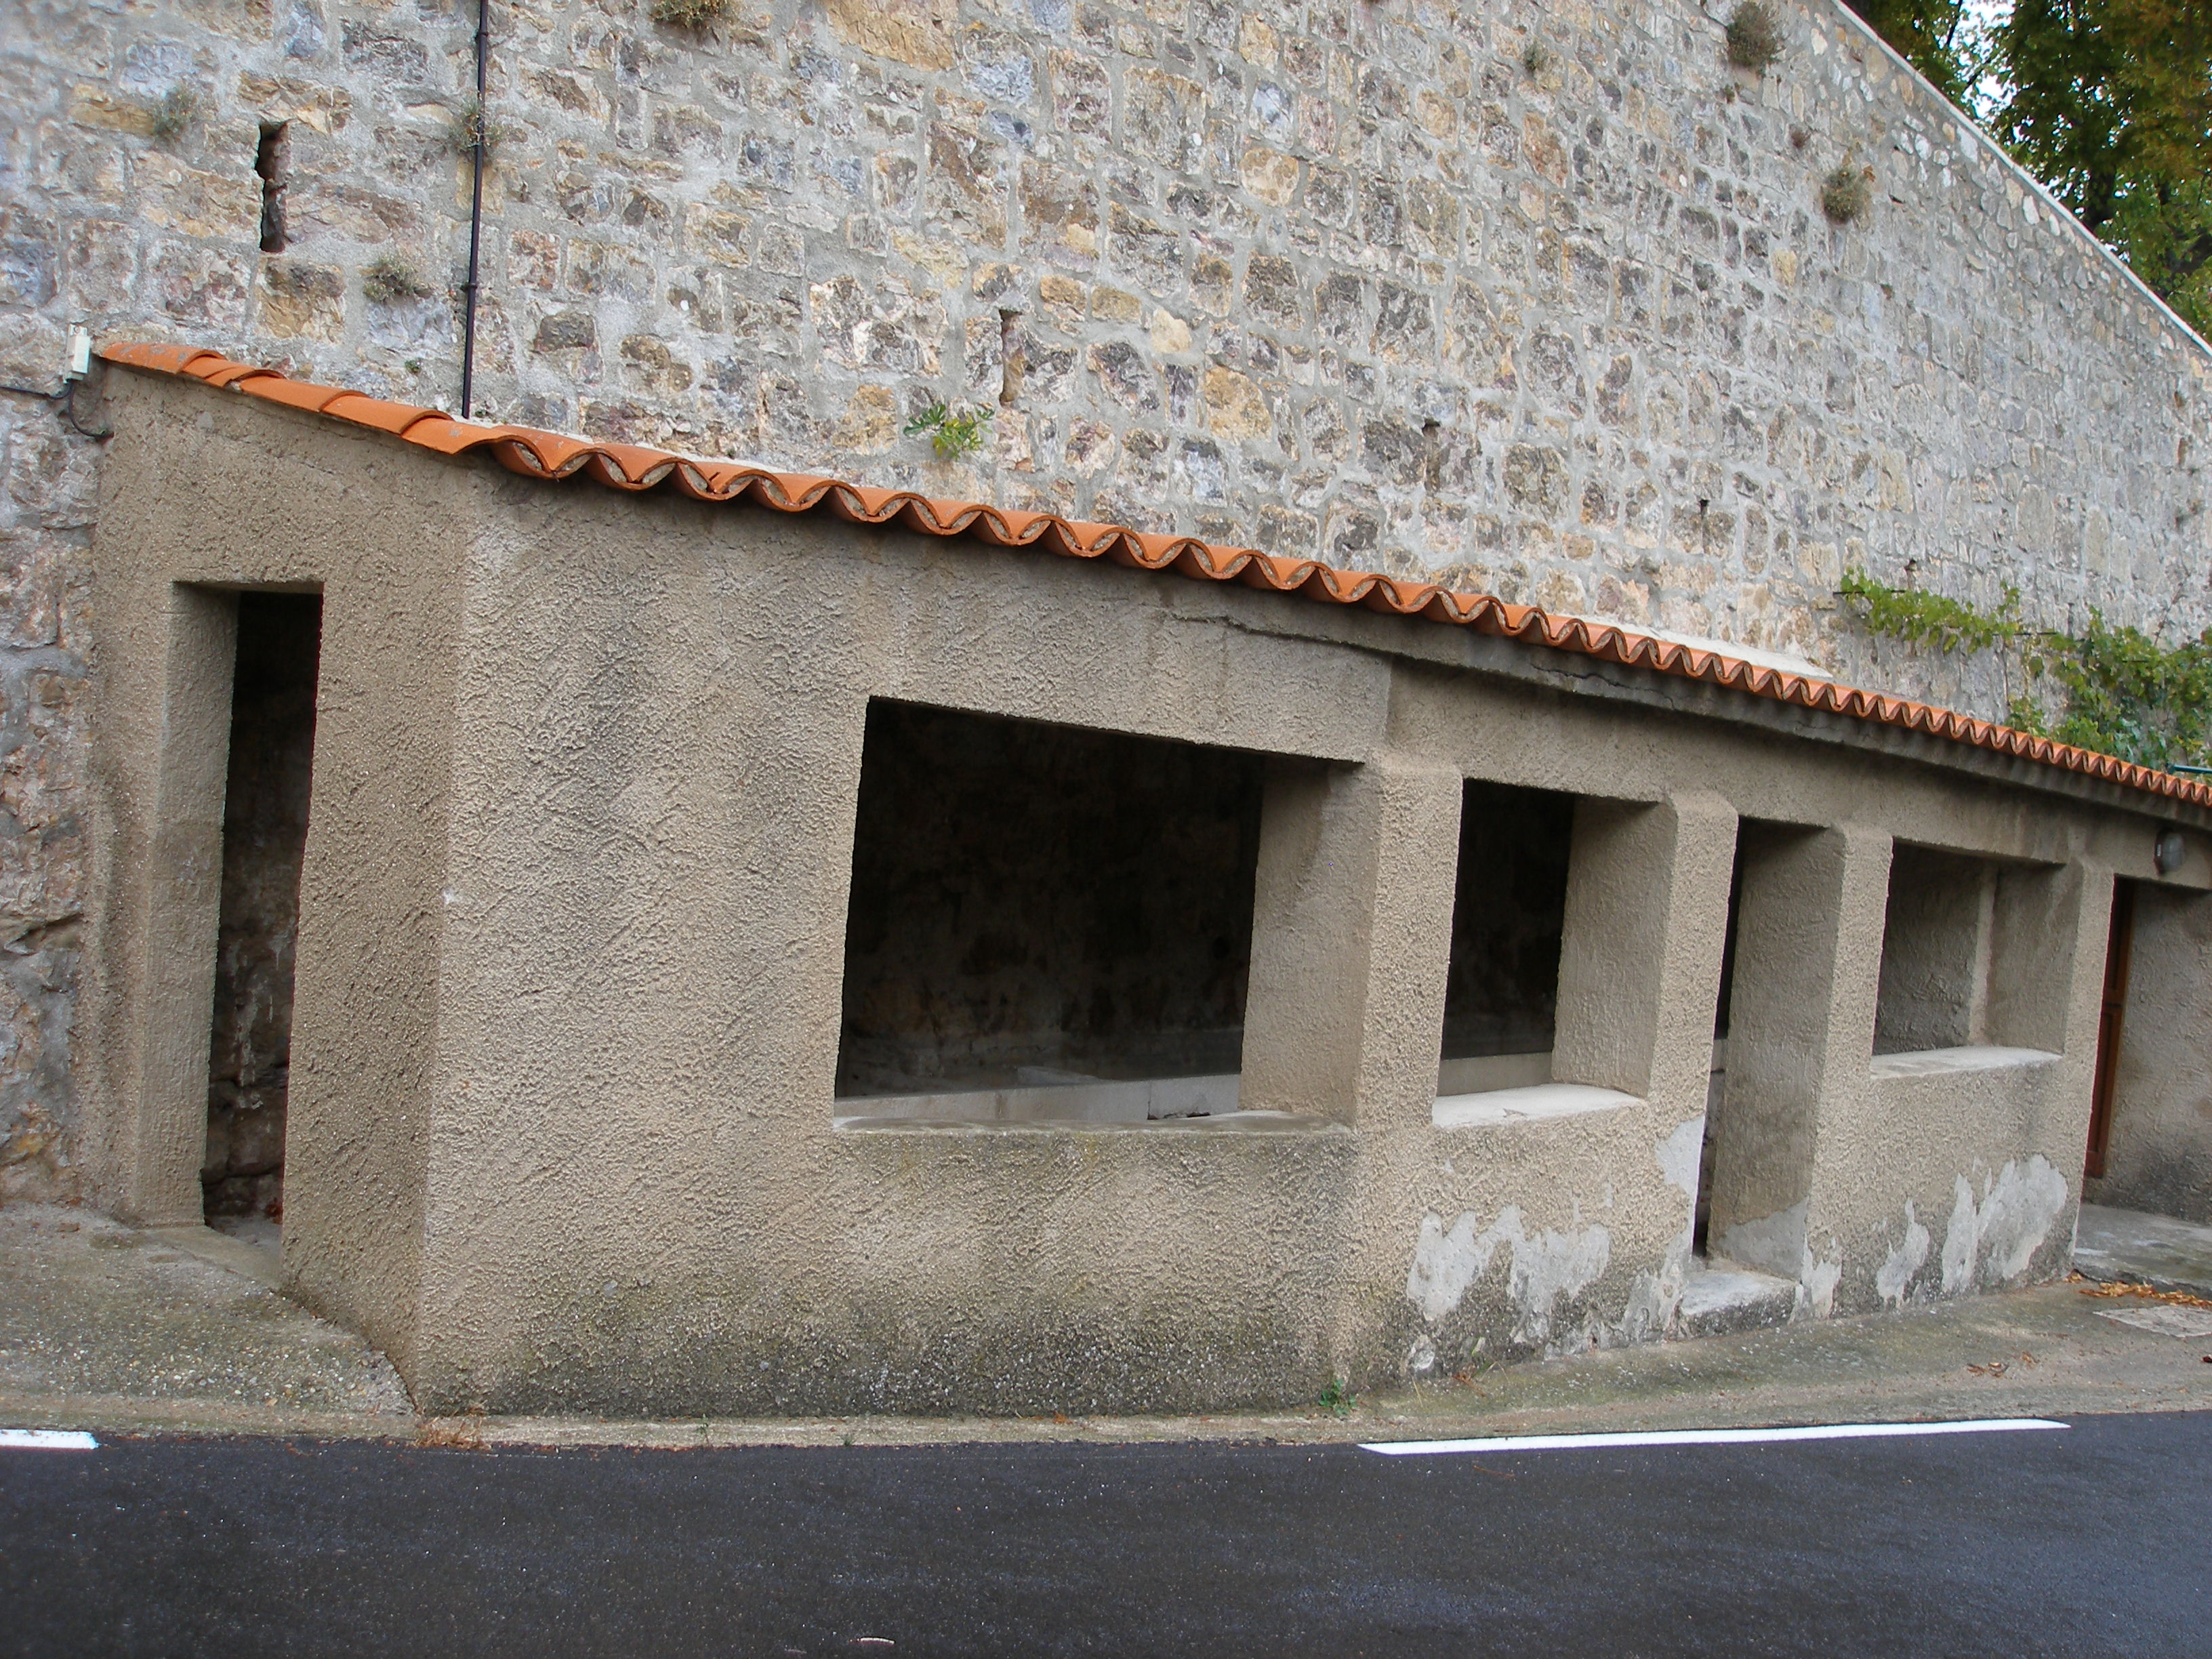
(2108, 102)
(1936, 37)
(2123, 693)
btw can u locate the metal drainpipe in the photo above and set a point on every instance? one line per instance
(483, 122)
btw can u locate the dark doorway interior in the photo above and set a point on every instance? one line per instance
(265, 834)
(1033, 904)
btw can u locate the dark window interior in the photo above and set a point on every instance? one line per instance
(270, 156)
(264, 836)
(1036, 904)
(1508, 917)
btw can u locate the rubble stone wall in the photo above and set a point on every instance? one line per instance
(1539, 300)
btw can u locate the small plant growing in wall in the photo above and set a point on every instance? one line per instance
(952, 432)
(2122, 692)
(1338, 1397)
(690, 14)
(1754, 37)
(1536, 59)
(173, 116)
(470, 123)
(391, 280)
(1845, 194)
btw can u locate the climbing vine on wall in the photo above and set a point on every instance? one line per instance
(2117, 690)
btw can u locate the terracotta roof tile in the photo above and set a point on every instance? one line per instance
(633, 467)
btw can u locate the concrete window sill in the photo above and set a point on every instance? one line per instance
(1499, 1107)
(1944, 1062)
(1061, 1099)
(1228, 1125)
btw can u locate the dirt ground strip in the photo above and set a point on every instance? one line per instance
(122, 1332)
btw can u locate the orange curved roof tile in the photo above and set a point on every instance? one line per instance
(629, 466)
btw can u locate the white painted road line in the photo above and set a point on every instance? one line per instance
(47, 1440)
(1704, 1437)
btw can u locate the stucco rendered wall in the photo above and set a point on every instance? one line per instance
(569, 1137)
(1342, 279)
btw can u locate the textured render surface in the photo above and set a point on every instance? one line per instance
(1339, 279)
(2159, 1157)
(122, 1332)
(585, 1028)
(367, 964)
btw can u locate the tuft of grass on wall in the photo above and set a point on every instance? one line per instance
(391, 280)
(1754, 37)
(690, 14)
(1844, 194)
(1536, 59)
(173, 116)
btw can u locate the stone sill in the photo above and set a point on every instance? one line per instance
(1945, 1063)
(1226, 1125)
(1501, 1108)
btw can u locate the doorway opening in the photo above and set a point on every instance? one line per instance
(2119, 948)
(264, 835)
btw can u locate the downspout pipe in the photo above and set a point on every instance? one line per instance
(481, 128)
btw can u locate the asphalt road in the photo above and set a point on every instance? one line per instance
(2093, 1540)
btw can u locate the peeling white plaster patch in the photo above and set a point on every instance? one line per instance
(1961, 1240)
(2004, 1232)
(1893, 1279)
(1816, 1287)
(1679, 1152)
(1773, 1244)
(1422, 1358)
(1550, 1266)
(1446, 1263)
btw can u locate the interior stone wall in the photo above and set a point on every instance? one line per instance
(1539, 299)
(1509, 918)
(1031, 902)
(265, 837)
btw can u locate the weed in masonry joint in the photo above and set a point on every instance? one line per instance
(1754, 37)
(1536, 59)
(173, 116)
(391, 280)
(1844, 194)
(1338, 1397)
(952, 432)
(690, 14)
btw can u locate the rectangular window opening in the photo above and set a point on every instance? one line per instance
(264, 834)
(270, 159)
(1508, 923)
(1045, 923)
(1935, 951)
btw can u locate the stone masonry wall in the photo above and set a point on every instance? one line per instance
(1377, 283)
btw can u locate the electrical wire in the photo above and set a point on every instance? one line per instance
(64, 395)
